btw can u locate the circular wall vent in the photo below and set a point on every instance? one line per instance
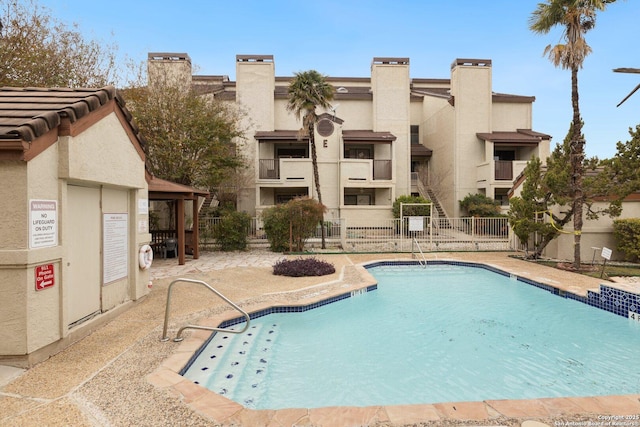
(325, 127)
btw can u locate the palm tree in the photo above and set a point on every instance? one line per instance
(576, 17)
(307, 91)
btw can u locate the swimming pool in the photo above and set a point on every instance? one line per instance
(444, 333)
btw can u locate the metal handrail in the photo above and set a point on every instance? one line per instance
(422, 262)
(178, 337)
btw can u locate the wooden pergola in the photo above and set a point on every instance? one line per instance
(163, 190)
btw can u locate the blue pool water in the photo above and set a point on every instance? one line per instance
(426, 335)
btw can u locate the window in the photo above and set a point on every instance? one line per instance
(292, 152)
(508, 155)
(357, 152)
(361, 198)
(415, 134)
(284, 197)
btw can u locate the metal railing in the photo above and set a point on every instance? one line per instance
(178, 337)
(392, 235)
(423, 260)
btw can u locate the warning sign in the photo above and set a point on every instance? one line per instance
(45, 276)
(43, 229)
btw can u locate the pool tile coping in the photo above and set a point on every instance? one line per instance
(223, 410)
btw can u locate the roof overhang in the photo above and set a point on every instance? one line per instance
(367, 136)
(280, 135)
(419, 150)
(521, 137)
(161, 189)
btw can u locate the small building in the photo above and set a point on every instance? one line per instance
(74, 217)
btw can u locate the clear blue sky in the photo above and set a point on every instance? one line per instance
(340, 38)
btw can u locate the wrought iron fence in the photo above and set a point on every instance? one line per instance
(393, 235)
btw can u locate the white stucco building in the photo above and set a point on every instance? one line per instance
(387, 135)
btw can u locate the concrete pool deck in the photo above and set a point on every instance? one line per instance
(122, 374)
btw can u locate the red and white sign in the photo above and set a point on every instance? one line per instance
(44, 277)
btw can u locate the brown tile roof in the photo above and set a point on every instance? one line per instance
(27, 114)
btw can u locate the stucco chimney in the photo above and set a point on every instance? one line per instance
(169, 69)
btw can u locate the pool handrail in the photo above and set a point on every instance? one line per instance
(423, 261)
(178, 337)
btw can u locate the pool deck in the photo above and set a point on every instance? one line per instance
(122, 374)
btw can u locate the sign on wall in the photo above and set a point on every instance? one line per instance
(115, 247)
(45, 276)
(43, 223)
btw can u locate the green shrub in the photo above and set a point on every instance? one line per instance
(276, 226)
(481, 205)
(231, 232)
(293, 222)
(627, 235)
(303, 267)
(411, 210)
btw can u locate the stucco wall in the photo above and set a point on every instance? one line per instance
(13, 175)
(511, 116)
(390, 87)
(102, 154)
(438, 129)
(471, 88)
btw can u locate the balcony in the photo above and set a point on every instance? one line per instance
(499, 172)
(285, 169)
(269, 169)
(366, 170)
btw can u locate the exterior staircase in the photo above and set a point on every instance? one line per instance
(443, 219)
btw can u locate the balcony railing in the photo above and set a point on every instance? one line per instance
(269, 169)
(381, 169)
(504, 170)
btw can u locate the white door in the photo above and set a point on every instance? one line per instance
(83, 231)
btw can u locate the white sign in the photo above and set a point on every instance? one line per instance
(416, 223)
(143, 206)
(634, 316)
(606, 253)
(43, 223)
(115, 247)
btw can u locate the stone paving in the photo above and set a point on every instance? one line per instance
(123, 375)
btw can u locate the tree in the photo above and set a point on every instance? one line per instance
(621, 174)
(576, 17)
(37, 50)
(527, 212)
(307, 91)
(190, 139)
(608, 181)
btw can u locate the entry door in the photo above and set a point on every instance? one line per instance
(83, 231)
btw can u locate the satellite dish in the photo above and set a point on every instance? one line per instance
(333, 109)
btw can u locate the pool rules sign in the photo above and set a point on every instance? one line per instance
(43, 223)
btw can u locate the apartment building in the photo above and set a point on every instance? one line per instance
(384, 136)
